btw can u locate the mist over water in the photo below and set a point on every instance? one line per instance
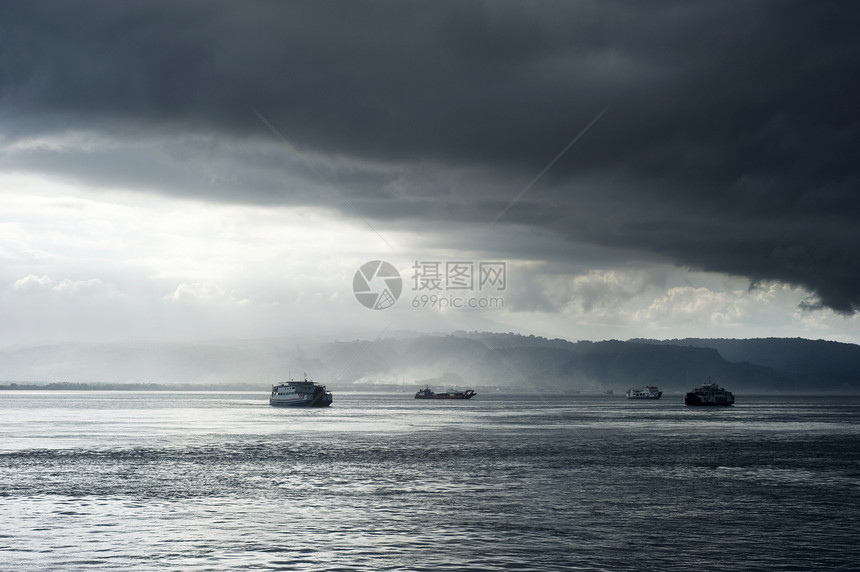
(198, 481)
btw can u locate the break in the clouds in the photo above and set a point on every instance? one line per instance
(716, 136)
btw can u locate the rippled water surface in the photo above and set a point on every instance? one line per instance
(209, 481)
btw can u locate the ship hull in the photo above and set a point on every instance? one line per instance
(300, 402)
(695, 401)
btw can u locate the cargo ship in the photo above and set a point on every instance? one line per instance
(428, 393)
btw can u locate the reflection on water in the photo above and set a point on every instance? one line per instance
(215, 481)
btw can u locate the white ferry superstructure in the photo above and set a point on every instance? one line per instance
(647, 392)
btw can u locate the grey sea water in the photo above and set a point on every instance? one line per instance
(217, 481)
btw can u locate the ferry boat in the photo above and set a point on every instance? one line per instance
(647, 392)
(428, 393)
(303, 393)
(709, 394)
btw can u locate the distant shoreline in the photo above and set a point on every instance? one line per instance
(132, 386)
(364, 388)
(73, 386)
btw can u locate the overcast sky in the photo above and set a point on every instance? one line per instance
(643, 169)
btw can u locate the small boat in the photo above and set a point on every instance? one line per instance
(428, 393)
(303, 393)
(647, 392)
(709, 394)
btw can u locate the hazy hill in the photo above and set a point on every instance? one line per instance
(812, 362)
(508, 361)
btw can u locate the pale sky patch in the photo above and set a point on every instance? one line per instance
(159, 266)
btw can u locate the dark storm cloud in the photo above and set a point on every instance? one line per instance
(730, 143)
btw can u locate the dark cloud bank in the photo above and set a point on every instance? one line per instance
(729, 143)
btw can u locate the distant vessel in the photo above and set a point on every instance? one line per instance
(428, 393)
(300, 394)
(647, 392)
(709, 394)
(608, 392)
